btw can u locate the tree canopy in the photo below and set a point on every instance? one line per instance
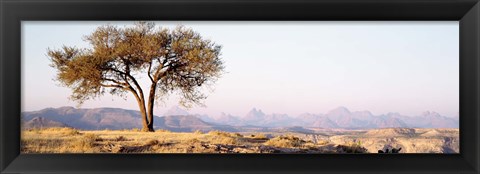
(177, 60)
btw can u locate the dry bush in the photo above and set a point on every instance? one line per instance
(351, 149)
(225, 134)
(87, 142)
(193, 141)
(152, 142)
(56, 130)
(285, 141)
(322, 142)
(219, 133)
(259, 137)
(121, 138)
(92, 137)
(41, 145)
(220, 137)
(236, 135)
(35, 130)
(224, 140)
(198, 132)
(83, 144)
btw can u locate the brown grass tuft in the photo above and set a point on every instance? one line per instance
(288, 141)
(220, 137)
(259, 137)
(198, 132)
(121, 138)
(66, 131)
(152, 143)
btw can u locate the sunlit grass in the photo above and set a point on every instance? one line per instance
(67, 140)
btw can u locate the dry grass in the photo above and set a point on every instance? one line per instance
(288, 141)
(58, 140)
(55, 130)
(66, 140)
(220, 137)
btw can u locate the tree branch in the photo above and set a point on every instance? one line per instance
(112, 86)
(114, 81)
(149, 69)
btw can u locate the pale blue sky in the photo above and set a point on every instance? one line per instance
(286, 67)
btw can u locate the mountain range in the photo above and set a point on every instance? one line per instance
(111, 118)
(338, 118)
(177, 119)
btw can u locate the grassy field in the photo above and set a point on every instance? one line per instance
(67, 140)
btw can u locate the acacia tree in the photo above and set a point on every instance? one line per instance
(175, 61)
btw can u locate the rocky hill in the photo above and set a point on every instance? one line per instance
(40, 122)
(410, 140)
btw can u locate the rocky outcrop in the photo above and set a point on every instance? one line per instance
(410, 140)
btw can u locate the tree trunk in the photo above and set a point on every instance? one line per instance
(146, 127)
(151, 103)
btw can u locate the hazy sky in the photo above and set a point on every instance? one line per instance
(286, 67)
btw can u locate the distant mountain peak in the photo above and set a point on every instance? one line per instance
(256, 111)
(430, 114)
(340, 110)
(393, 113)
(175, 110)
(365, 112)
(255, 114)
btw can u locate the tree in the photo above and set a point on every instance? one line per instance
(175, 61)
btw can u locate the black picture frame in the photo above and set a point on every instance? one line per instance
(12, 12)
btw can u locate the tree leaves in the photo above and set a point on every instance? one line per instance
(177, 60)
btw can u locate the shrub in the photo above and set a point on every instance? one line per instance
(322, 142)
(224, 140)
(260, 137)
(351, 149)
(70, 131)
(237, 135)
(121, 138)
(220, 137)
(285, 141)
(83, 144)
(56, 130)
(225, 134)
(152, 142)
(194, 140)
(92, 137)
(219, 133)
